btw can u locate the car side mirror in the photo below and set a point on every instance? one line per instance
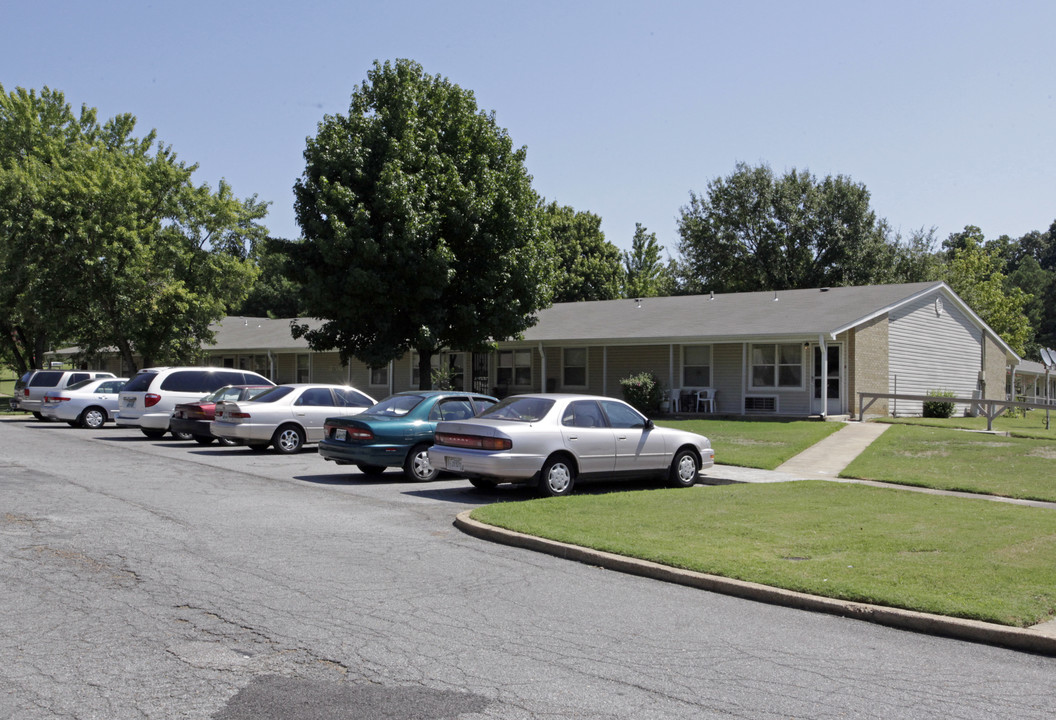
(649, 424)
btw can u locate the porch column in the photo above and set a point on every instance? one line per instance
(542, 353)
(744, 373)
(824, 377)
(604, 371)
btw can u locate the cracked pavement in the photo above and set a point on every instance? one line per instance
(160, 579)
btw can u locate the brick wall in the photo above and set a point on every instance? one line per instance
(868, 365)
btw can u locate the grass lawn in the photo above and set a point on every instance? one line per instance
(1032, 425)
(950, 556)
(761, 444)
(956, 460)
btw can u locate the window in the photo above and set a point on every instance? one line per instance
(777, 366)
(315, 397)
(696, 366)
(380, 375)
(583, 414)
(514, 368)
(304, 364)
(575, 367)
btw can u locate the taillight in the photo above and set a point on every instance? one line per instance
(238, 415)
(474, 442)
(25, 392)
(56, 398)
(151, 399)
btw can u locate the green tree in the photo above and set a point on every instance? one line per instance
(587, 265)
(420, 224)
(974, 272)
(752, 231)
(645, 275)
(273, 294)
(106, 242)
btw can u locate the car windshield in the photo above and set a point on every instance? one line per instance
(396, 405)
(273, 394)
(522, 409)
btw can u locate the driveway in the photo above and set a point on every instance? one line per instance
(161, 579)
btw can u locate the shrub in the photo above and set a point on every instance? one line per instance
(643, 391)
(938, 408)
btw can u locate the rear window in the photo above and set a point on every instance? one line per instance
(273, 394)
(141, 382)
(78, 378)
(200, 381)
(79, 385)
(46, 378)
(520, 408)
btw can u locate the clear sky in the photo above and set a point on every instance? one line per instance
(944, 110)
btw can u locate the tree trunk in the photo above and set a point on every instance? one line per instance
(425, 375)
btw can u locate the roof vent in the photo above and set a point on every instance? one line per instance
(712, 296)
(638, 302)
(824, 290)
(775, 295)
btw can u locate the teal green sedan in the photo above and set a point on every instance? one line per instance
(398, 431)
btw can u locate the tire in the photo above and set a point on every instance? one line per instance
(92, 418)
(288, 439)
(557, 477)
(483, 483)
(203, 439)
(182, 435)
(257, 447)
(39, 416)
(371, 469)
(684, 469)
(153, 434)
(417, 466)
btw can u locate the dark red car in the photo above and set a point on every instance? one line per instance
(191, 420)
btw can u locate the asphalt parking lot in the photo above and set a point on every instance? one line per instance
(161, 579)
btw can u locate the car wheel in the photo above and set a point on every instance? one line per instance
(257, 447)
(182, 435)
(38, 416)
(288, 439)
(153, 434)
(203, 439)
(92, 418)
(482, 483)
(417, 466)
(371, 469)
(557, 478)
(684, 469)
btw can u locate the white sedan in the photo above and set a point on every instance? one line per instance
(551, 440)
(286, 416)
(88, 404)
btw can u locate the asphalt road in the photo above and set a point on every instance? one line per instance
(159, 579)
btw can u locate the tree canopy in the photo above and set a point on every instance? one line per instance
(419, 222)
(104, 240)
(754, 231)
(587, 265)
(644, 273)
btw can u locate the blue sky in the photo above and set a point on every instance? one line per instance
(944, 110)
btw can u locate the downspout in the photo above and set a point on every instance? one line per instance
(271, 367)
(744, 374)
(392, 372)
(604, 370)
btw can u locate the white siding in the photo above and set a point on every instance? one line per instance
(932, 351)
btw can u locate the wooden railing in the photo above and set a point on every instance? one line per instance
(989, 408)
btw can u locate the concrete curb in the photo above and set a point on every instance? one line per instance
(1025, 639)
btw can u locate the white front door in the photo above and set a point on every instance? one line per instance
(833, 382)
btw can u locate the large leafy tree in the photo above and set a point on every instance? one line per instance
(104, 240)
(754, 231)
(587, 265)
(419, 222)
(975, 272)
(645, 275)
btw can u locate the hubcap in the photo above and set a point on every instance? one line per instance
(93, 418)
(687, 468)
(559, 478)
(289, 440)
(422, 467)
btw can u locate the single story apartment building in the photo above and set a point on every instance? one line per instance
(785, 353)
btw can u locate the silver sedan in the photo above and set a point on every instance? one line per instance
(552, 440)
(286, 416)
(88, 404)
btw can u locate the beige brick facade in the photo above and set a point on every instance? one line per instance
(868, 365)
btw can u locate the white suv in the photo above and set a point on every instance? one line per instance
(148, 399)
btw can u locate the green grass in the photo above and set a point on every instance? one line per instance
(948, 459)
(1032, 425)
(757, 444)
(950, 556)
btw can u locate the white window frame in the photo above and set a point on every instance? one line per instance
(685, 364)
(776, 365)
(565, 366)
(513, 366)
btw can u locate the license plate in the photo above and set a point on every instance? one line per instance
(130, 402)
(340, 434)
(453, 463)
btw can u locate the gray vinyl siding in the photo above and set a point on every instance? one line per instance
(726, 377)
(932, 351)
(327, 368)
(634, 359)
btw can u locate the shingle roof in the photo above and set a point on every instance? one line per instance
(243, 334)
(731, 315)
